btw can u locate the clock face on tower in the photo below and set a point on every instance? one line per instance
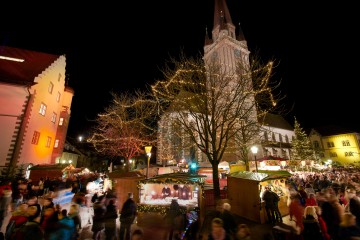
(214, 55)
(237, 52)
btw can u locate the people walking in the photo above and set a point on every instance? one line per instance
(127, 216)
(98, 218)
(228, 219)
(110, 220)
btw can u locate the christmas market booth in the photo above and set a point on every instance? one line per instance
(52, 171)
(124, 182)
(157, 193)
(245, 190)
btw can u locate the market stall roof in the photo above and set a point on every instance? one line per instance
(261, 175)
(181, 178)
(122, 174)
(49, 167)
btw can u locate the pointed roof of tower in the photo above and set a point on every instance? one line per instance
(207, 39)
(240, 36)
(221, 14)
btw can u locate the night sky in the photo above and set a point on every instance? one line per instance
(122, 48)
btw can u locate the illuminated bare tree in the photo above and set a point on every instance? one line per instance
(216, 107)
(126, 126)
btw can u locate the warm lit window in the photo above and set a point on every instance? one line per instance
(48, 142)
(35, 138)
(42, 110)
(53, 117)
(56, 143)
(51, 87)
(58, 97)
(61, 121)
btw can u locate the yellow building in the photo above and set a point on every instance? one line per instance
(335, 145)
(35, 108)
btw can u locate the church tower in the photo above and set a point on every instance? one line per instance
(225, 45)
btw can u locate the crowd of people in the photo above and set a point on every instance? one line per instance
(322, 205)
(35, 215)
(325, 205)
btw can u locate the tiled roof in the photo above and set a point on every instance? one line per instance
(23, 72)
(277, 121)
(330, 130)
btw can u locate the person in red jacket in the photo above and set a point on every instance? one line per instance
(296, 212)
(311, 201)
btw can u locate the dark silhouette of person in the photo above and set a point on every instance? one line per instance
(127, 216)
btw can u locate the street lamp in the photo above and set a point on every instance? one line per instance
(148, 153)
(254, 150)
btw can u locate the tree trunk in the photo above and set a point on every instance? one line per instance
(247, 165)
(127, 165)
(216, 183)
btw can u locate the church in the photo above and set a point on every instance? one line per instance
(226, 51)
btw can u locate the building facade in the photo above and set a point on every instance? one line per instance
(335, 145)
(35, 107)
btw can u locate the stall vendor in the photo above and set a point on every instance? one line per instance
(166, 192)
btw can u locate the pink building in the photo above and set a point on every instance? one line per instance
(35, 104)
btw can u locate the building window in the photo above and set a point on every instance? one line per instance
(51, 87)
(56, 143)
(316, 144)
(48, 142)
(58, 97)
(42, 110)
(266, 136)
(59, 77)
(286, 139)
(61, 121)
(273, 137)
(349, 154)
(330, 144)
(346, 143)
(333, 154)
(35, 138)
(280, 138)
(53, 117)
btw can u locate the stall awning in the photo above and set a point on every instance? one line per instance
(261, 175)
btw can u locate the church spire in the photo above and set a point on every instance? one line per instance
(221, 14)
(240, 36)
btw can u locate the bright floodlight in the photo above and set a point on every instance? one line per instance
(254, 149)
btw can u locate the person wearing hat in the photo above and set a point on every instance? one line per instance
(127, 216)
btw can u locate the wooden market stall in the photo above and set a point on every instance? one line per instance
(156, 194)
(245, 190)
(51, 170)
(124, 182)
